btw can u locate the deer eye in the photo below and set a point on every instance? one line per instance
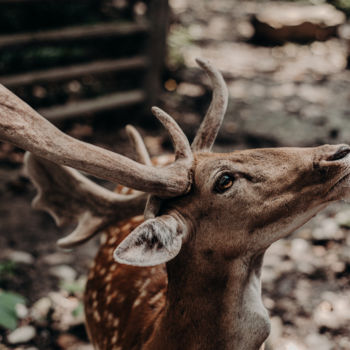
(224, 182)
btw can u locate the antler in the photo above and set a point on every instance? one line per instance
(138, 144)
(210, 126)
(182, 149)
(24, 127)
(69, 197)
(208, 129)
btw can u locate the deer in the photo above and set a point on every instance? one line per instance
(185, 236)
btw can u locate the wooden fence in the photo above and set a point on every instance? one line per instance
(99, 55)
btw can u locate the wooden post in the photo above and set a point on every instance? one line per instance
(159, 25)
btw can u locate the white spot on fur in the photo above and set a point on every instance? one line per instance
(108, 278)
(109, 299)
(137, 219)
(97, 316)
(137, 303)
(126, 227)
(156, 298)
(147, 282)
(115, 338)
(115, 231)
(143, 293)
(112, 240)
(138, 284)
(103, 238)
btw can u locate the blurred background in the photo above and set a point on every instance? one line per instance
(93, 66)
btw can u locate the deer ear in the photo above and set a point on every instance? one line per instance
(154, 242)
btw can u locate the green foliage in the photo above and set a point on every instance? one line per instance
(79, 310)
(343, 5)
(7, 268)
(8, 315)
(40, 57)
(179, 37)
(75, 287)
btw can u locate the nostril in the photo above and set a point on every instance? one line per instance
(340, 154)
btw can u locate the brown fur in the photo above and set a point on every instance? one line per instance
(213, 297)
(114, 317)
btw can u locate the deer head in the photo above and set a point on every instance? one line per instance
(255, 191)
(209, 216)
(258, 196)
(252, 197)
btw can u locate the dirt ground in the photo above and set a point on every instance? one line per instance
(290, 94)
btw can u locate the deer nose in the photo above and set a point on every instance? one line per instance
(340, 153)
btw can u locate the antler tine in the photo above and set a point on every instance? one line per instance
(139, 145)
(25, 128)
(152, 207)
(211, 123)
(182, 152)
(180, 142)
(153, 202)
(71, 198)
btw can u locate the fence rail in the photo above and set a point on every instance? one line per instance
(91, 106)
(124, 58)
(74, 71)
(95, 31)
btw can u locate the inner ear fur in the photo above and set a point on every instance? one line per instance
(154, 242)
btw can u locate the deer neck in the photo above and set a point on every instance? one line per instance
(207, 309)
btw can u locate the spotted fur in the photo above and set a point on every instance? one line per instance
(123, 303)
(116, 295)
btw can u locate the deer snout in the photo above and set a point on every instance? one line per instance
(331, 155)
(335, 171)
(340, 153)
(332, 164)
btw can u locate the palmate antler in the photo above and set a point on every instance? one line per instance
(24, 127)
(71, 198)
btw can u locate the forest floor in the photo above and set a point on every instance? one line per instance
(289, 94)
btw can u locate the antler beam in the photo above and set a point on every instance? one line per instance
(24, 127)
(70, 198)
